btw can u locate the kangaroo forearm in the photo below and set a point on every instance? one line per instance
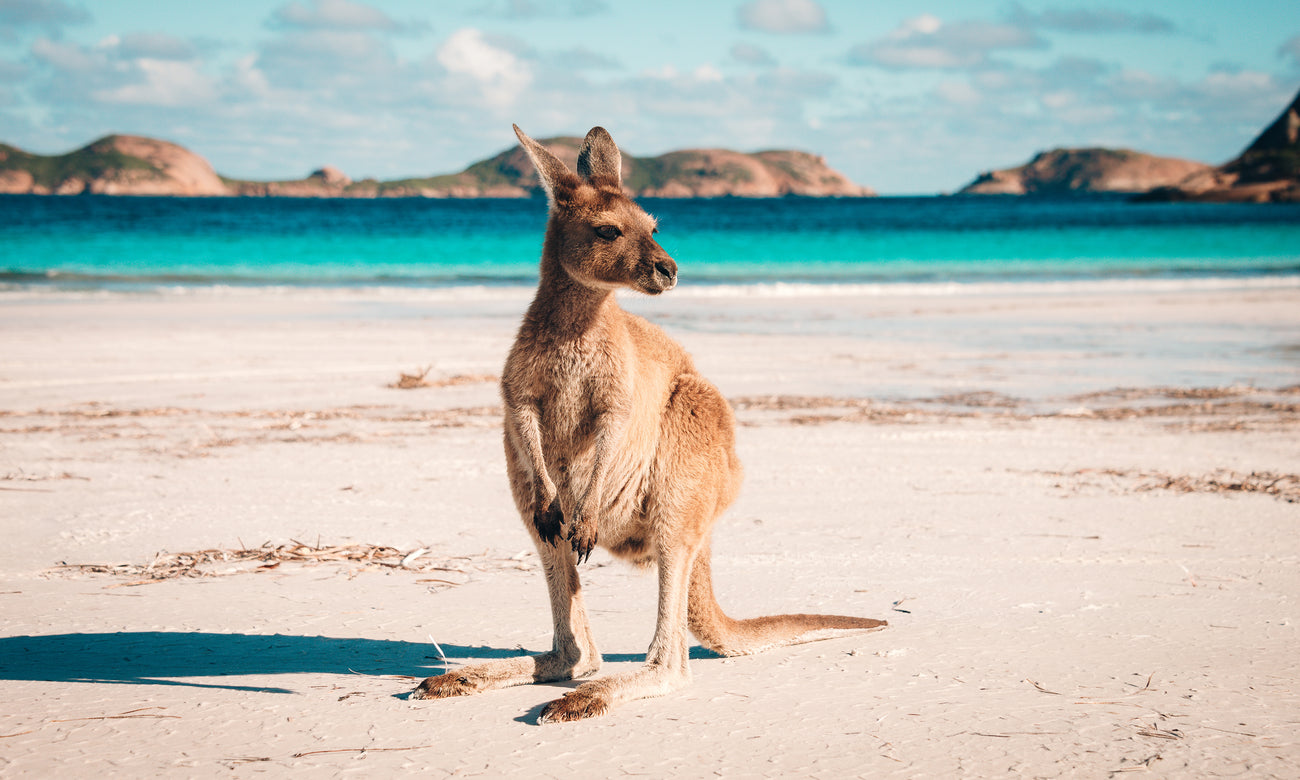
(610, 427)
(527, 429)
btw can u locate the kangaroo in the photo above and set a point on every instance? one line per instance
(612, 437)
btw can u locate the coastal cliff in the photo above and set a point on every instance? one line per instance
(133, 165)
(1068, 171)
(1268, 170)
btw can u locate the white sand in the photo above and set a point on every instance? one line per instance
(1054, 611)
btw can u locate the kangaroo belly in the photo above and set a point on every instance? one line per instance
(622, 496)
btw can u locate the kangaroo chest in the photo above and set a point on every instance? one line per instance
(575, 391)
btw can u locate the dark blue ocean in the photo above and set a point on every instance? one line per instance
(131, 243)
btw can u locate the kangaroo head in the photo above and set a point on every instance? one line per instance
(600, 237)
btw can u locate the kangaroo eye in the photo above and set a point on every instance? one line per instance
(608, 232)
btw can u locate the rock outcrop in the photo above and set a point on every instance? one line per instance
(328, 182)
(1268, 170)
(131, 165)
(113, 165)
(1066, 171)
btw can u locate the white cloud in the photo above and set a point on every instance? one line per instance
(332, 15)
(925, 24)
(783, 16)
(958, 92)
(1091, 20)
(157, 46)
(1059, 99)
(335, 65)
(749, 54)
(166, 83)
(247, 80)
(926, 42)
(531, 9)
(498, 72)
(67, 57)
(1239, 83)
(44, 13)
(707, 72)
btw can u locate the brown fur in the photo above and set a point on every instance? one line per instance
(613, 437)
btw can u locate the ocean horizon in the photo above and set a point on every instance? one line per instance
(729, 246)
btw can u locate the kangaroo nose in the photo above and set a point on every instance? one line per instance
(666, 268)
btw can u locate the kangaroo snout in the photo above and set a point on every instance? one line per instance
(665, 274)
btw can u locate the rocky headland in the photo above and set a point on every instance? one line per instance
(1069, 171)
(113, 165)
(1268, 170)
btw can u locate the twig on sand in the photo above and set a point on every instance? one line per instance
(1146, 686)
(361, 750)
(1229, 731)
(116, 717)
(1161, 733)
(1041, 688)
(1140, 766)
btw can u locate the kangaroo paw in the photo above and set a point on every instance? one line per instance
(549, 522)
(583, 538)
(582, 702)
(444, 686)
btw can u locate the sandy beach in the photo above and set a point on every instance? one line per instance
(233, 546)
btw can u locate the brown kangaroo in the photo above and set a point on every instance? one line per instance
(612, 435)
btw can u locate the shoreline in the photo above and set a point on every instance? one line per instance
(70, 287)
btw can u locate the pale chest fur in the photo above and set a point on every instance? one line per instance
(577, 382)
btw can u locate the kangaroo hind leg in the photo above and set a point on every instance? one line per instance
(573, 650)
(666, 668)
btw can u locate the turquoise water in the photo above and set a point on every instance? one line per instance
(102, 242)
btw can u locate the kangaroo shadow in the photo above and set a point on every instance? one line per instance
(174, 658)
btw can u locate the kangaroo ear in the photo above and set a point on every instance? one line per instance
(555, 175)
(600, 156)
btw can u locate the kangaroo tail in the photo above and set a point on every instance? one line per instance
(727, 636)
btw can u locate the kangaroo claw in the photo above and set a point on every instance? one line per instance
(583, 541)
(549, 522)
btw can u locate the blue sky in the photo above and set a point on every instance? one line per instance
(902, 97)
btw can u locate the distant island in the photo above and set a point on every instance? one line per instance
(1067, 171)
(135, 165)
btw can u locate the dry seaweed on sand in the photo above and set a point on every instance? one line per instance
(218, 563)
(1284, 487)
(411, 381)
(421, 379)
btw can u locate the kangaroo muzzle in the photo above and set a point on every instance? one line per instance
(665, 275)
